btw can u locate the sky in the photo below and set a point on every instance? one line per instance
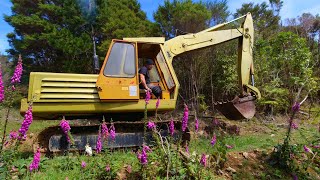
(290, 9)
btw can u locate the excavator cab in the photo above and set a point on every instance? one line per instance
(119, 76)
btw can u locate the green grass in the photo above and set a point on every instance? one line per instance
(69, 166)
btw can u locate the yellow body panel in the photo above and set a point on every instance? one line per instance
(52, 109)
(75, 94)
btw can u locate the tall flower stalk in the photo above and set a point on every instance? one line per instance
(171, 127)
(196, 125)
(99, 143)
(28, 118)
(104, 130)
(185, 118)
(1, 86)
(36, 161)
(203, 160)
(143, 156)
(14, 80)
(145, 119)
(64, 124)
(112, 132)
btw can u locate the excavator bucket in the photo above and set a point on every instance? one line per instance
(238, 108)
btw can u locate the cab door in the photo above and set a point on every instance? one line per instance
(118, 78)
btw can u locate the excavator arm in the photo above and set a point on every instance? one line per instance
(242, 104)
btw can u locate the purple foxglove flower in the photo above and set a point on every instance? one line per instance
(148, 96)
(13, 135)
(99, 143)
(17, 72)
(294, 125)
(185, 118)
(1, 87)
(147, 148)
(171, 127)
(158, 103)
(296, 107)
(129, 169)
(112, 132)
(83, 164)
(104, 129)
(229, 146)
(213, 140)
(36, 161)
(316, 146)
(216, 122)
(143, 156)
(187, 149)
(203, 160)
(306, 149)
(26, 123)
(294, 177)
(151, 125)
(108, 168)
(196, 125)
(64, 124)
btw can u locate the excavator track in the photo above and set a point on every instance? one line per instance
(128, 134)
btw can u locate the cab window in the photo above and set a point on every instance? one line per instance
(121, 61)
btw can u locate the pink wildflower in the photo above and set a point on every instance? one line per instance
(316, 146)
(294, 177)
(99, 143)
(306, 149)
(151, 125)
(13, 135)
(143, 157)
(83, 164)
(196, 125)
(112, 132)
(64, 124)
(148, 96)
(17, 72)
(129, 169)
(215, 122)
(171, 127)
(104, 129)
(294, 125)
(26, 123)
(185, 118)
(296, 107)
(213, 140)
(229, 146)
(187, 149)
(108, 168)
(1, 87)
(203, 160)
(158, 103)
(36, 161)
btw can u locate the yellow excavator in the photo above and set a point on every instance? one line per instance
(85, 99)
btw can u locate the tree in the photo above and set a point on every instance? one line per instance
(288, 67)
(266, 21)
(49, 35)
(56, 35)
(185, 15)
(219, 11)
(122, 18)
